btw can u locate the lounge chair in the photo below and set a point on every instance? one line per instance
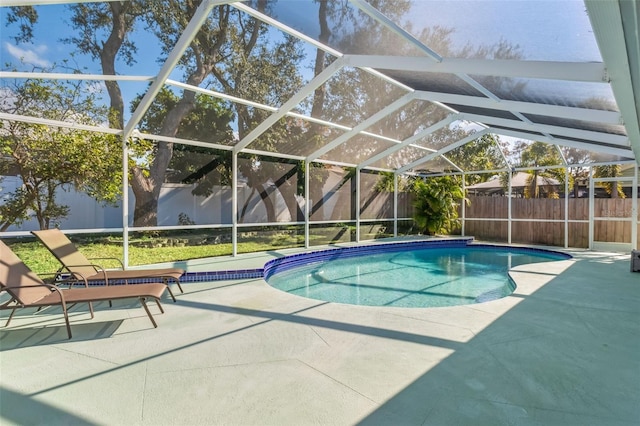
(27, 290)
(80, 267)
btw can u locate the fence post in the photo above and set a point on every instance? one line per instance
(357, 204)
(464, 205)
(307, 207)
(509, 216)
(634, 210)
(125, 203)
(395, 204)
(592, 209)
(234, 204)
(566, 207)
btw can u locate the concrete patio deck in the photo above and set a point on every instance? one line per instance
(562, 350)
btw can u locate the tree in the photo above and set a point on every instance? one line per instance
(231, 50)
(536, 156)
(104, 29)
(436, 204)
(354, 95)
(209, 121)
(480, 154)
(48, 159)
(614, 189)
(575, 156)
(385, 182)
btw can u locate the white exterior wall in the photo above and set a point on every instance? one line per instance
(86, 213)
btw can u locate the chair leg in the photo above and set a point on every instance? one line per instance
(179, 286)
(166, 282)
(146, 308)
(91, 309)
(13, 311)
(171, 293)
(66, 320)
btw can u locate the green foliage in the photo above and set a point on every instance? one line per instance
(480, 154)
(540, 154)
(614, 189)
(25, 17)
(436, 204)
(48, 159)
(385, 183)
(235, 54)
(208, 121)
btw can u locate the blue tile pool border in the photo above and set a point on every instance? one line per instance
(288, 262)
(294, 260)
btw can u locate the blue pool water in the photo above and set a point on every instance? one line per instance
(424, 277)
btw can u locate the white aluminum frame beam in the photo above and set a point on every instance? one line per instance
(444, 150)
(571, 113)
(564, 142)
(392, 26)
(13, 3)
(171, 139)
(397, 104)
(619, 55)
(284, 28)
(219, 95)
(70, 76)
(594, 72)
(264, 107)
(58, 123)
(431, 129)
(288, 30)
(608, 138)
(199, 17)
(378, 16)
(308, 89)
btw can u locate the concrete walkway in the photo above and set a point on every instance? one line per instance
(562, 350)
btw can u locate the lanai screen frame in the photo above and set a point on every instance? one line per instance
(606, 19)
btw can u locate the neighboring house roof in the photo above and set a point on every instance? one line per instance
(519, 180)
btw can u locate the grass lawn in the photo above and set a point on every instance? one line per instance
(147, 249)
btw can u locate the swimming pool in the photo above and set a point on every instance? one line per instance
(418, 274)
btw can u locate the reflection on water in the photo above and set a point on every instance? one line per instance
(417, 278)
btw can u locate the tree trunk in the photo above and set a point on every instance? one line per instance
(146, 205)
(147, 189)
(108, 59)
(318, 98)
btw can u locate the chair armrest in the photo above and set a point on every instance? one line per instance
(76, 278)
(99, 269)
(109, 258)
(52, 287)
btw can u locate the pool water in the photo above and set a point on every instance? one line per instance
(413, 278)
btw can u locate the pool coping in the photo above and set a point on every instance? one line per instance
(320, 254)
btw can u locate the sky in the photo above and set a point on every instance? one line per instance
(545, 30)
(47, 49)
(557, 30)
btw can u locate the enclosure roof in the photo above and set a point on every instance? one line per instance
(401, 84)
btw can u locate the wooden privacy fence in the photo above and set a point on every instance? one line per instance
(542, 220)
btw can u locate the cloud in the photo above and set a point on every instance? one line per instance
(32, 55)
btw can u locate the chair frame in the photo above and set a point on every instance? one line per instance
(16, 270)
(102, 273)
